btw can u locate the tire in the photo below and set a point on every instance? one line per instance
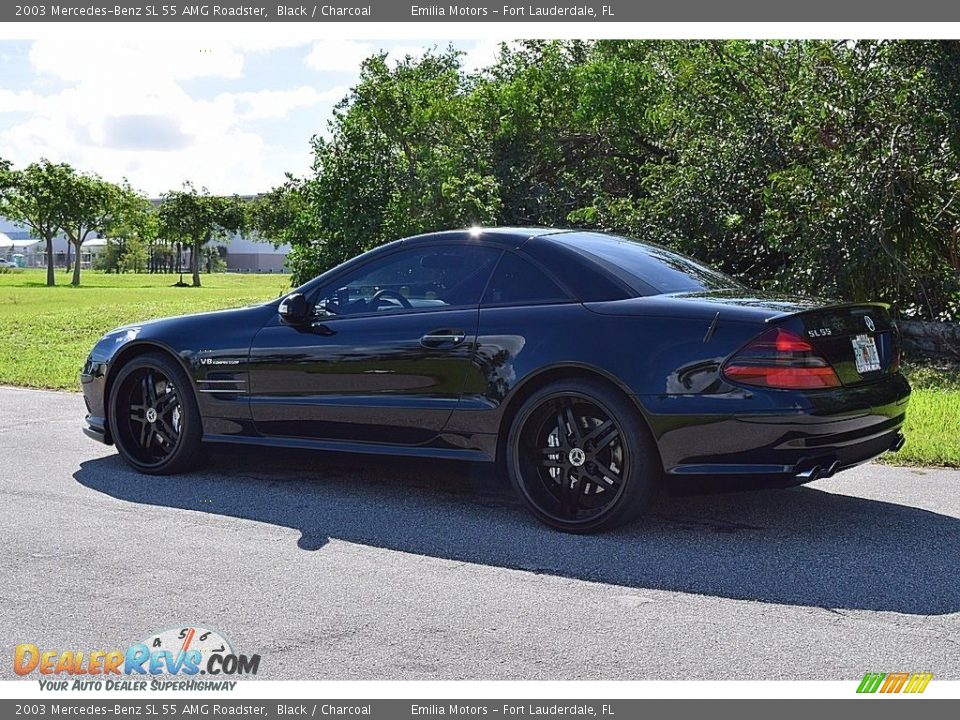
(154, 416)
(605, 471)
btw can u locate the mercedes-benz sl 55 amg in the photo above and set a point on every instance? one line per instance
(589, 367)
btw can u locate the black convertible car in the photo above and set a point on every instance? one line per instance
(589, 366)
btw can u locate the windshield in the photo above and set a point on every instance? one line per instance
(648, 269)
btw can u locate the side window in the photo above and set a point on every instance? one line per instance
(519, 281)
(417, 279)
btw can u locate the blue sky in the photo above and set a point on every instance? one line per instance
(228, 115)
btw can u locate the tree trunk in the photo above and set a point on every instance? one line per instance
(195, 263)
(51, 279)
(76, 269)
(66, 267)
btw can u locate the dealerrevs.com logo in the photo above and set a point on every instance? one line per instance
(902, 682)
(170, 660)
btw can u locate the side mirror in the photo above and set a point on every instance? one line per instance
(294, 309)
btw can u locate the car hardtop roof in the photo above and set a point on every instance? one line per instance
(505, 236)
(514, 237)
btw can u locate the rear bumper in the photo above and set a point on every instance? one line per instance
(807, 469)
(781, 438)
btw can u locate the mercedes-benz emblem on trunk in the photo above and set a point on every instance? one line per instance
(869, 321)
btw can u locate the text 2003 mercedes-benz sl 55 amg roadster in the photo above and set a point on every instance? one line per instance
(590, 367)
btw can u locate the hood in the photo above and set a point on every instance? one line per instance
(207, 316)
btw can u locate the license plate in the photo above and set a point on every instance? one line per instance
(865, 354)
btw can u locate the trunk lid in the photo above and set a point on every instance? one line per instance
(859, 340)
(830, 327)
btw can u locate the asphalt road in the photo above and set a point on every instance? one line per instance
(376, 569)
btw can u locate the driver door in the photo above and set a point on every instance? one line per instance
(384, 356)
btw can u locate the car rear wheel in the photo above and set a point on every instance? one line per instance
(581, 457)
(154, 416)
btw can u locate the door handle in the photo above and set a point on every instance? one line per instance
(319, 327)
(443, 337)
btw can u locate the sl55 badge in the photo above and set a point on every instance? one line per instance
(819, 332)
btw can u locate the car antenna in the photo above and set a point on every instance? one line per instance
(713, 326)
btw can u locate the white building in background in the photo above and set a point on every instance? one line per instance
(26, 251)
(246, 255)
(19, 244)
(19, 250)
(242, 254)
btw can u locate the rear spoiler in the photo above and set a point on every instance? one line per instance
(821, 308)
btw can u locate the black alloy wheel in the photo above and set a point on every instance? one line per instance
(154, 417)
(581, 457)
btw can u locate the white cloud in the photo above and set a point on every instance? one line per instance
(22, 101)
(345, 56)
(263, 104)
(144, 59)
(145, 132)
(122, 110)
(232, 161)
(340, 56)
(140, 105)
(483, 54)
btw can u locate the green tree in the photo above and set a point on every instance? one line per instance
(33, 197)
(804, 166)
(287, 215)
(135, 255)
(87, 204)
(197, 217)
(404, 155)
(133, 220)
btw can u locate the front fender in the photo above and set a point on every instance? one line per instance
(208, 346)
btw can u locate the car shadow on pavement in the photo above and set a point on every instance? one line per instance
(801, 546)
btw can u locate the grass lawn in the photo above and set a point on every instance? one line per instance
(46, 333)
(933, 416)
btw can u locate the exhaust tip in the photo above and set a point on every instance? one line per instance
(810, 475)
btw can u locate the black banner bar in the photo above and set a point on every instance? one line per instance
(207, 707)
(435, 11)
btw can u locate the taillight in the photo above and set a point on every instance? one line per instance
(781, 359)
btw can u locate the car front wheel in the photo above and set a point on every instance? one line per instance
(154, 416)
(581, 457)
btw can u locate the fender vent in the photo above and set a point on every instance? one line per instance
(223, 386)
